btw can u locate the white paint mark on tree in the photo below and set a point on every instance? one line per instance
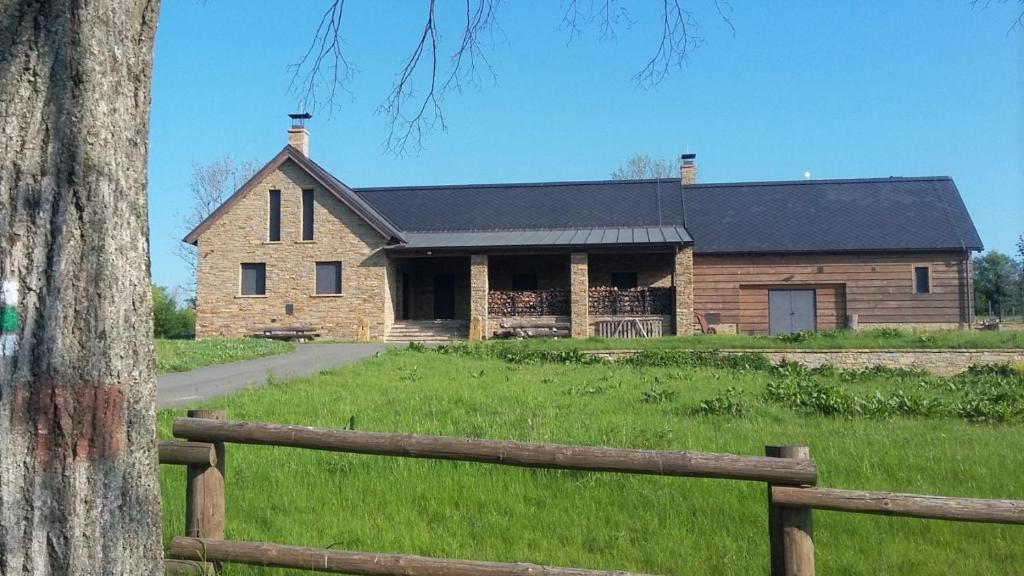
(9, 319)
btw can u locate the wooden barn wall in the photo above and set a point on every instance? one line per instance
(877, 287)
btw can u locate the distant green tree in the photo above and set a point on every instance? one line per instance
(170, 321)
(996, 283)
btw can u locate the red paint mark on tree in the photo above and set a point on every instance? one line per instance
(83, 422)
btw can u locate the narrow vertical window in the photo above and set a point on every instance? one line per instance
(922, 284)
(274, 221)
(254, 279)
(328, 277)
(307, 214)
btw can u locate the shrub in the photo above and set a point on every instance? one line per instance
(699, 359)
(995, 394)
(656, 394)
(515, 353)
(810, 396)
(898, 403)
(170, 321)
(727, 403)
(797, 337)
(886, 332)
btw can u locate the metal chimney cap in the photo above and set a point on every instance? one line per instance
(299, 119)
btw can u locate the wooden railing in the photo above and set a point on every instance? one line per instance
(789, 472)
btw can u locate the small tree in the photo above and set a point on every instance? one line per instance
(169, 319)
(996, 278)
(209, 187)
(642, 166)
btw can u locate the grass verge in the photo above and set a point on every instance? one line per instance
(842, 339)
(595, 520)
(184, 355)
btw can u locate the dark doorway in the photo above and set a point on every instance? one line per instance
(790, 311)
(444, 297)
(406, 295)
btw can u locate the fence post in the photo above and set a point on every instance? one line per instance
(790, 529)
(204, 491)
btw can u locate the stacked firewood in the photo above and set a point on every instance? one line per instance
(608, 301)
(553, 302)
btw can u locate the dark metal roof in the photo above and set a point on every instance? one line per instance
(798, 216)
(829, 215)
(546, 205)
(548, 238)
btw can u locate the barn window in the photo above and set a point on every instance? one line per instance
(922, 280)
(274, 217)
(254, 279)
(624, 280)
(524, 282)
(328, 277)
(307, 215)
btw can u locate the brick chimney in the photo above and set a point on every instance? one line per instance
(688, 168)
(298, 136)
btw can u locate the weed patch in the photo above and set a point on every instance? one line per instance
(657, 394)
(729, 402)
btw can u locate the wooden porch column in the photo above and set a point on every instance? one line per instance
(478, 289)
(579, 282)
(682, 280)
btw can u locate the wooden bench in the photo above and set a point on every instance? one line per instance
(286, 333)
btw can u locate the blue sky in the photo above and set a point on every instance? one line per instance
(844, 90)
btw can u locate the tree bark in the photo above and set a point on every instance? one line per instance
(78, 455)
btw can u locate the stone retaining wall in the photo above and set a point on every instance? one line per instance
(943, 362)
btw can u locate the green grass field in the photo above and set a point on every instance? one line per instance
(600, 520)
(184, 355)
(877, 338)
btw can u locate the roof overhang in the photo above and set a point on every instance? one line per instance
(562, 238)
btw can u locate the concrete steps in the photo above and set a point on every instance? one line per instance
(428, 331)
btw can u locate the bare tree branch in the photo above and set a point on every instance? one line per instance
(408, 128)
(464, 61)
(324, 51)
(607, 14)
(1016, 24)
(412, 111)
(724, 9)
(678, 39)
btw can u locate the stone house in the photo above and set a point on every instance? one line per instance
(296, 246)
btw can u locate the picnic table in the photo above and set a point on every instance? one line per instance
(286, 333)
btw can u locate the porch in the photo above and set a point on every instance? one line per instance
(568, 294)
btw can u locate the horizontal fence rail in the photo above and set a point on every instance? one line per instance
(893, 504)
(363, 563)
(789, 472)
(188, 453)
(560, 456)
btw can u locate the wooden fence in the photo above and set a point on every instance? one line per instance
(788, 471)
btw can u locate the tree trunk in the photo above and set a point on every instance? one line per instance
(78, 461)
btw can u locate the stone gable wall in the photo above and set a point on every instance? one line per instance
(240, 236)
